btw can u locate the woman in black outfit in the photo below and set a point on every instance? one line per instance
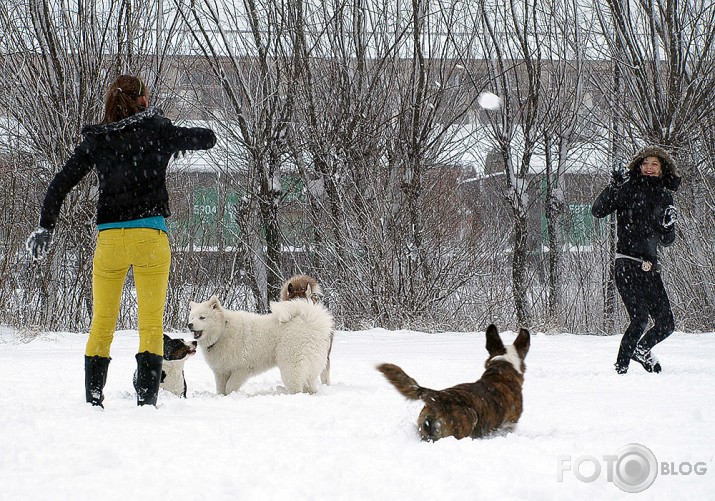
(646, 217)
(130, 151)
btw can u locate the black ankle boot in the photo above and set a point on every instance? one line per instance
(95, 377)
(148, 377)
(646, 359)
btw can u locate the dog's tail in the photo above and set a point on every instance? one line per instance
(430, 425)
(404, 383)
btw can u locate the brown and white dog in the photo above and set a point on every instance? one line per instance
(308, 288)
(301, 286)
(492, 403)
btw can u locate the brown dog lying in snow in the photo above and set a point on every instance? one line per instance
(476, 409)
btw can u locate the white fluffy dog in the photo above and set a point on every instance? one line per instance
(295, 337)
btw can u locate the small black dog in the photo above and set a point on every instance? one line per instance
(176, 351)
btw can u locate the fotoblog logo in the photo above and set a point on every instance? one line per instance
(633, 468)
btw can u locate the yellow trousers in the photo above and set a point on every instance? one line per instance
(147, 252)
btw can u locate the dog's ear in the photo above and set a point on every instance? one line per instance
(214, 303)
(494, 343)
(522, 343)
(308, 292)
(315, 286)
(192, 305)
(290, 288)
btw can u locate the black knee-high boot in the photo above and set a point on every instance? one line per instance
(95, 377)
(148, 377)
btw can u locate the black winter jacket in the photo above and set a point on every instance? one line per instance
(131, 157)
(639, 204)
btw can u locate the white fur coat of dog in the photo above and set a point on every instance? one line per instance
(295, 337)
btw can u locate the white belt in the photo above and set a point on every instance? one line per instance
(645, 265)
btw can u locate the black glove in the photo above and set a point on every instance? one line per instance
(38, 243)
(618, 179)
(669, 217)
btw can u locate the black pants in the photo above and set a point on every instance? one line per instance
(644, 295)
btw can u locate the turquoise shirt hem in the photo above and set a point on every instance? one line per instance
(154, 222)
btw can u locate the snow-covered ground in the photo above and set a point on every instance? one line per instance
(357, 439)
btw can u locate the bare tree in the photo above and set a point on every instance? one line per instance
(515, 65)
(569, 137)
(247, 47)
(374, 132)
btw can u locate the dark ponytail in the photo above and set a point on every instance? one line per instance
(123, 98)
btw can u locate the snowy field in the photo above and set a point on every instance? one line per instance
(356, 439)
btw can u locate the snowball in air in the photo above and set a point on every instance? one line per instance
(489, 101)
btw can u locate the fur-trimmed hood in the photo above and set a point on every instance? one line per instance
(671, 176)
(123, 124)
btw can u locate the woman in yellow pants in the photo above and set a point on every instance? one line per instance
(130, 151)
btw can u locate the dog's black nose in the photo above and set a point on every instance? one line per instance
(190, 326)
